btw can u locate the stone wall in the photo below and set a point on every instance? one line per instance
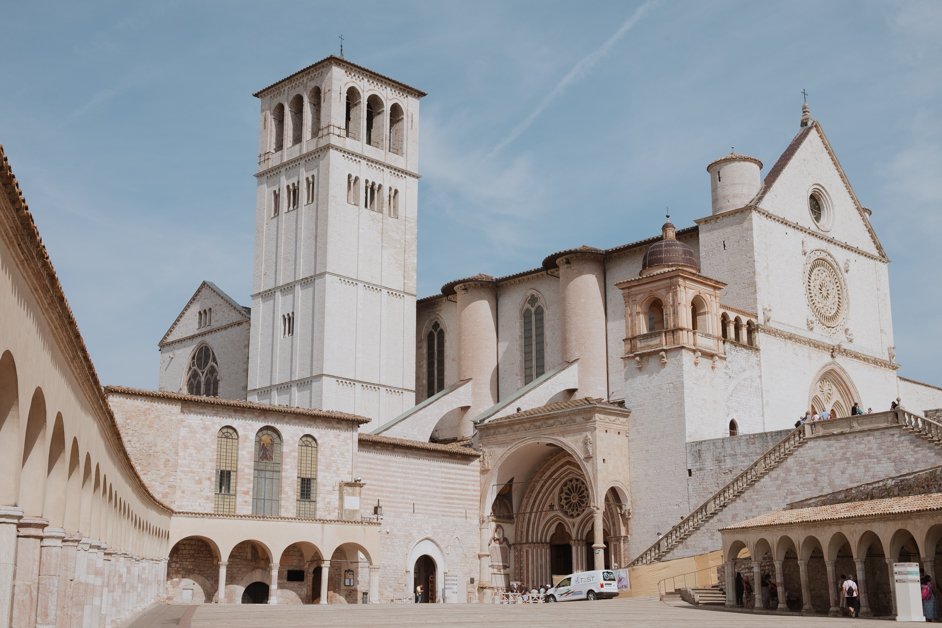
(192, 568)
(918, 483)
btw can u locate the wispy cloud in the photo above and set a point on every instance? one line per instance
(578, 71)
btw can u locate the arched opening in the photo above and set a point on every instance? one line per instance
(227, 454)
(654, 316)
(423, 580)
(396, 129)
(879, 593)
(533, 339)
(816, 572)
(737, 330)
(73, 501)
(751, 334)
(349, 574)
(296, 109)
(739, 575)
(832, 390)
(435, 359)
(699, 315)
(374, 121)
(266, 487)
(299, 570)
(54, 507)
(9, 430)
(33, 470)
(203, 373)
(314, 102)
(724, 326)
(278, 126)
(353, 116)
(733, 427)
(249, 562)
(193, 571)
(255, 593)
(307, 477)
(560, 543)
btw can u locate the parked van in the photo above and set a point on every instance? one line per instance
(584, 585)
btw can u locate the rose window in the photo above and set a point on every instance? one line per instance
(825, 291)
(573, 497)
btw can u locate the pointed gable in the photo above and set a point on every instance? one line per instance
(807, 167)
(225, 312)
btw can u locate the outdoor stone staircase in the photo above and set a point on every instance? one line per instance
(709, 596)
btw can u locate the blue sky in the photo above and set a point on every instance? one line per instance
(132, 130)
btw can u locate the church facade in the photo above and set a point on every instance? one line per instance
(343, 441)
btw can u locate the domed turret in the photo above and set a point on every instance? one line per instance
(669, 252)
(734, 181)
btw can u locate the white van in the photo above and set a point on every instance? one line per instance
(584, 585)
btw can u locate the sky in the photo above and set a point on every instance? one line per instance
(132, 130)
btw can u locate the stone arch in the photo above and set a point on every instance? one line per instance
(932, 546)
(653, 315)
(375, 116)
(278, 127)
(9, 430)
(73, 500)
(296, 114)
(314, 106)
(532, 321)
(301, 556)
(750, 333)
(426, 546)
(349, 574)
(192, 570)
(724, 326)
(904, 547)
(832, 389)
(872, 551)
(700, 315)
(812, 552)
(737, 329)
(249, 561)
(396, 129)
(35, 456)
(56, 475)
(85, 504)
(353, 115)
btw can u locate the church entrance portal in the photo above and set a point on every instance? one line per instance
(560, 552)
(255, 593)
(425, 577)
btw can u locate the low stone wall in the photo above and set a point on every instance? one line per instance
(918, 483)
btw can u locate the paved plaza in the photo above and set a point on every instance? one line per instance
(624, 612)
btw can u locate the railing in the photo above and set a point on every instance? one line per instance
(927, 427)
(692, 522)
(706, 577)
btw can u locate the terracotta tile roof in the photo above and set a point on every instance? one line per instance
(57, 307)
(558, 406)
(233, 403)
(405, 443)
(342, 61)
(449, 288)
(849, 510)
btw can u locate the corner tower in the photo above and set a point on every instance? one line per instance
(334, 280)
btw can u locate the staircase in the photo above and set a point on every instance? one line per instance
(924, 428)
(709, 596)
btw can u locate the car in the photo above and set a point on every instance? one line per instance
(584, 585)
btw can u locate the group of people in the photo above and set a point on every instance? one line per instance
(827, 415)
(519, 594)
(745, 593)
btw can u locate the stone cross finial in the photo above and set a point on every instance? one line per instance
(341, 45)
(805, 111)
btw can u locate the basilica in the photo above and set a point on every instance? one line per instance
(340, 439)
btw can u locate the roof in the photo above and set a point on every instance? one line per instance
(333, 59)
(405, 443)
(449, 288)
(245, 312)
(557, 406)
(57, 307)
(733, 156)
(889, 506)
(233, 403)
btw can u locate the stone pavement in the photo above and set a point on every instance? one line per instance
(637, 612)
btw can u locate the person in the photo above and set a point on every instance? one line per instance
(893, 405)
(855, 410)
(842, 594)
(825, 415)
(853, 599)
(869, 410)
(766, 593)
(419, 594)
(928, 599)
(740, 589)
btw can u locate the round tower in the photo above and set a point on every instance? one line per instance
(734, 181)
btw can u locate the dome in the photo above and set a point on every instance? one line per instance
(668, 253)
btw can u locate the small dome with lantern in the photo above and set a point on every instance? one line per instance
(668, 253)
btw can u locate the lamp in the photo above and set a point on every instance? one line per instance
(378, 509)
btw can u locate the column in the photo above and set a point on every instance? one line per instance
(598, 538)
(96, 559)
(889, 565)
(273, 589)
(105, 578)
(756, 584)
(862, 587)
(780, 584)
(578, 555)
(325, 573)
(26, 581)
(477, 344)
(221, 589)
(9, 518)
(582, 290)
(484, 559)
(67, 578)
(730, 577)
(374, 584)
(80, 586)
(834, 610)
(805, 589)
(50, 556)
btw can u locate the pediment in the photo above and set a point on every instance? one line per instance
(225, 311)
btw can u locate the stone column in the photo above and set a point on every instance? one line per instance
(484, 557)
(221, 588)
(273, 589)
(67, 578)
(730, 577)
(50, 563)
(835, 610)
(325, 573)
(889, 565)
(96, 560)
(80, 586)
(374, 584)
(598, 538)
(780, 584)
(806, 606)
(756, 584)
(9, 518)
(26, 581)
(862, 587)
(106, 579)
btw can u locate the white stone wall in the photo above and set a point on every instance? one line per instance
(511, 299)
(445, 311)
(919, 397)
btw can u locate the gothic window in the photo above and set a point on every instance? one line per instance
(227, 453)
(203, 376)
(533, 348)
(307, 477)
(314, 101)
(266, 487)
(698, 315)
(733, 427)
(654, 316)
(374, 121)
(396, 129)
(737, 329)
(204, 318)
(296, 109)
(309, 190)
(353, 116)
(293, 196)
(393, 204)
(435, 360)
(379, 198)
(278, 122)
(724, 326)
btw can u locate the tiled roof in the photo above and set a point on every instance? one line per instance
(449, 288)
(453, 448)
(342, 61)
(233, 403)
(850, 510)
(558, 406)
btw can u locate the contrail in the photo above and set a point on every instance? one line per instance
(578, 70)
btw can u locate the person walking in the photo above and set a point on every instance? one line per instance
(853, 597)
(928, 599)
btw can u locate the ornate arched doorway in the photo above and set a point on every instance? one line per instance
(832, 390)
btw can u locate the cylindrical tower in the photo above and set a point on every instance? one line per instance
(734, 181)
(477, 342)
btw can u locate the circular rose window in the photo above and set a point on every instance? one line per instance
(573, 497)
(825, 290)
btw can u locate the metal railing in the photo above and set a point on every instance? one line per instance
(701, 578)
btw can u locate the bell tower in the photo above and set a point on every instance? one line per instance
(334, 272)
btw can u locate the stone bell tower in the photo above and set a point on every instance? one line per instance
(333, 303)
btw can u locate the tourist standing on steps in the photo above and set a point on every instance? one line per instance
(928, 599)
(853, 599)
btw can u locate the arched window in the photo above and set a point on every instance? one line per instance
(353, 115)
(227, 454)
(435, 360)
(737, 329)
(374, 121)
(698, 315)
(278, 122)
(314, 102)
(396, 129)
(724, 326)
(203, 376)
(296, 108)
(533, 348)
(266, 485)
(733, 427)
(307, 477)
(654, 317)
(751, 334)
